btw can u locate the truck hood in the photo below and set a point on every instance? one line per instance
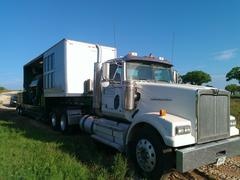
(178, 100)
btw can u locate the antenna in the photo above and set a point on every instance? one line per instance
(114, 35)
(173, 44)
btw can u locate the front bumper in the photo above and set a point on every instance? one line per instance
(193, 157)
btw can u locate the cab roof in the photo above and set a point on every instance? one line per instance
(132, 58)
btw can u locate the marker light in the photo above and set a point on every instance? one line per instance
(161, 58)
(162, 112)
(132, 54)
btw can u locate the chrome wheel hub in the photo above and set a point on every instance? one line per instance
(145, 154)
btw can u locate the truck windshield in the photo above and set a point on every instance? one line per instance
(148, 71)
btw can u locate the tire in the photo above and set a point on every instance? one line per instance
(147, 152)
(17, 110)
(20, 111)
(64, 123)
(54, 120)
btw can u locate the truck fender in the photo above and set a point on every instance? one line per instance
(152, 120)
(165, 126)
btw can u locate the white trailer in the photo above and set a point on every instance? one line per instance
(68, 64)
(136, 106)
(58, 82)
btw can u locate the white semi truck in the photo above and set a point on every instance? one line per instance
(133, 104)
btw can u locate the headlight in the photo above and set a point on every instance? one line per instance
(233, 122)
(183, 130)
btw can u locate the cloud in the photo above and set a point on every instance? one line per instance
(225, 55)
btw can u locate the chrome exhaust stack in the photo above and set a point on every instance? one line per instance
(97, 83)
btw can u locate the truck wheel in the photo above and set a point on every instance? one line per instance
(20, 111)
(147, 152)
(54, 121)
(63, 123)
(17, 110)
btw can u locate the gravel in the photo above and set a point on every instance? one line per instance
(230, 170)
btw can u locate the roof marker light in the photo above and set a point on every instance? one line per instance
(132, 54)
(161, 58)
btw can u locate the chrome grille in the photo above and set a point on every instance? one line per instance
(213, 117)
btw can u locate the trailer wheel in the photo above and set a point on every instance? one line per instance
(17, 110)
(63, 123)
(147, 152)
(20, 111)
(54, 121)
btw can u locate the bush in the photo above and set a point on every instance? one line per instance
(235, 109)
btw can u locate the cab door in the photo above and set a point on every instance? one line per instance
(112, 95)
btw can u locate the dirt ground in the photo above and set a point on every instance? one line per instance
(230, 170)
(5, 99)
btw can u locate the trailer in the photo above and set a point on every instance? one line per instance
(58, 83)
(132, 103)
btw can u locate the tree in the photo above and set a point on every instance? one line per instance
(2, 88)
(232, 88)
(238, 89)
(234, 73)
(196, 77)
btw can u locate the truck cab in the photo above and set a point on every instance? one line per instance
(120, 96)
(139, 101)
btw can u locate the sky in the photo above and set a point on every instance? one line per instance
(192, 34)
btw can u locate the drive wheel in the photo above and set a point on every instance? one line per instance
(147, 152)
(54, 121)
(64, 123)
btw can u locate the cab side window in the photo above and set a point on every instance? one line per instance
(115, 73)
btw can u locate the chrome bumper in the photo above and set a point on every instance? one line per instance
(198, 155)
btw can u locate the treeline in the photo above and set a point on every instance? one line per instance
(2, 88)
(200, 77)
(233, 89)
(233, 74)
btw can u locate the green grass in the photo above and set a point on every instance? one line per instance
(28, 152)
(31, 152)
(235, 109)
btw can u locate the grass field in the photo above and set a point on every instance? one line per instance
(29, 152)
(3, 90)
